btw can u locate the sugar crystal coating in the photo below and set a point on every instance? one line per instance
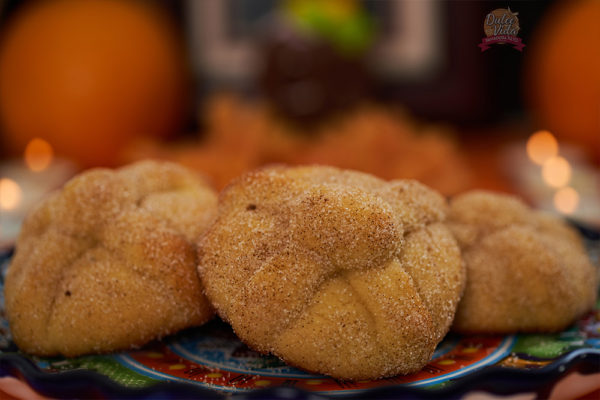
(109, 261)
(334, 271)
(526, 271)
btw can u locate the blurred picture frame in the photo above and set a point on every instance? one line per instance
(223, 38)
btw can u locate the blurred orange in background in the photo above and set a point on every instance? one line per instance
(564, 73)
(87, 76)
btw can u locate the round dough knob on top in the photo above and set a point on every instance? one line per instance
(109, 261)
(334, 271)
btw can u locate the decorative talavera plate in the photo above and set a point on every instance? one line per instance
(210, 361)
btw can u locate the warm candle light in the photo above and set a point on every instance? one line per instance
(10, 194)
(556, 172)
(541, 146)
(38, 154)
(566, 200)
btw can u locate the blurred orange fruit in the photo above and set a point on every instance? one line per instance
(88, 76)
(564, 73)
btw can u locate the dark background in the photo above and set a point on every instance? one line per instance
(472, 89)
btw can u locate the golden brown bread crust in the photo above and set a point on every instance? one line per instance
(109, 262)
(526, 271)
(334, 271)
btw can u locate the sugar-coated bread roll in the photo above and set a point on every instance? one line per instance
(526, 271)
(109, 261)
(334, 271)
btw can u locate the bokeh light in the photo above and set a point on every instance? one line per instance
(541, 146)
(10, 194)
(38, 154)
(566, 200)
(556, 172)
